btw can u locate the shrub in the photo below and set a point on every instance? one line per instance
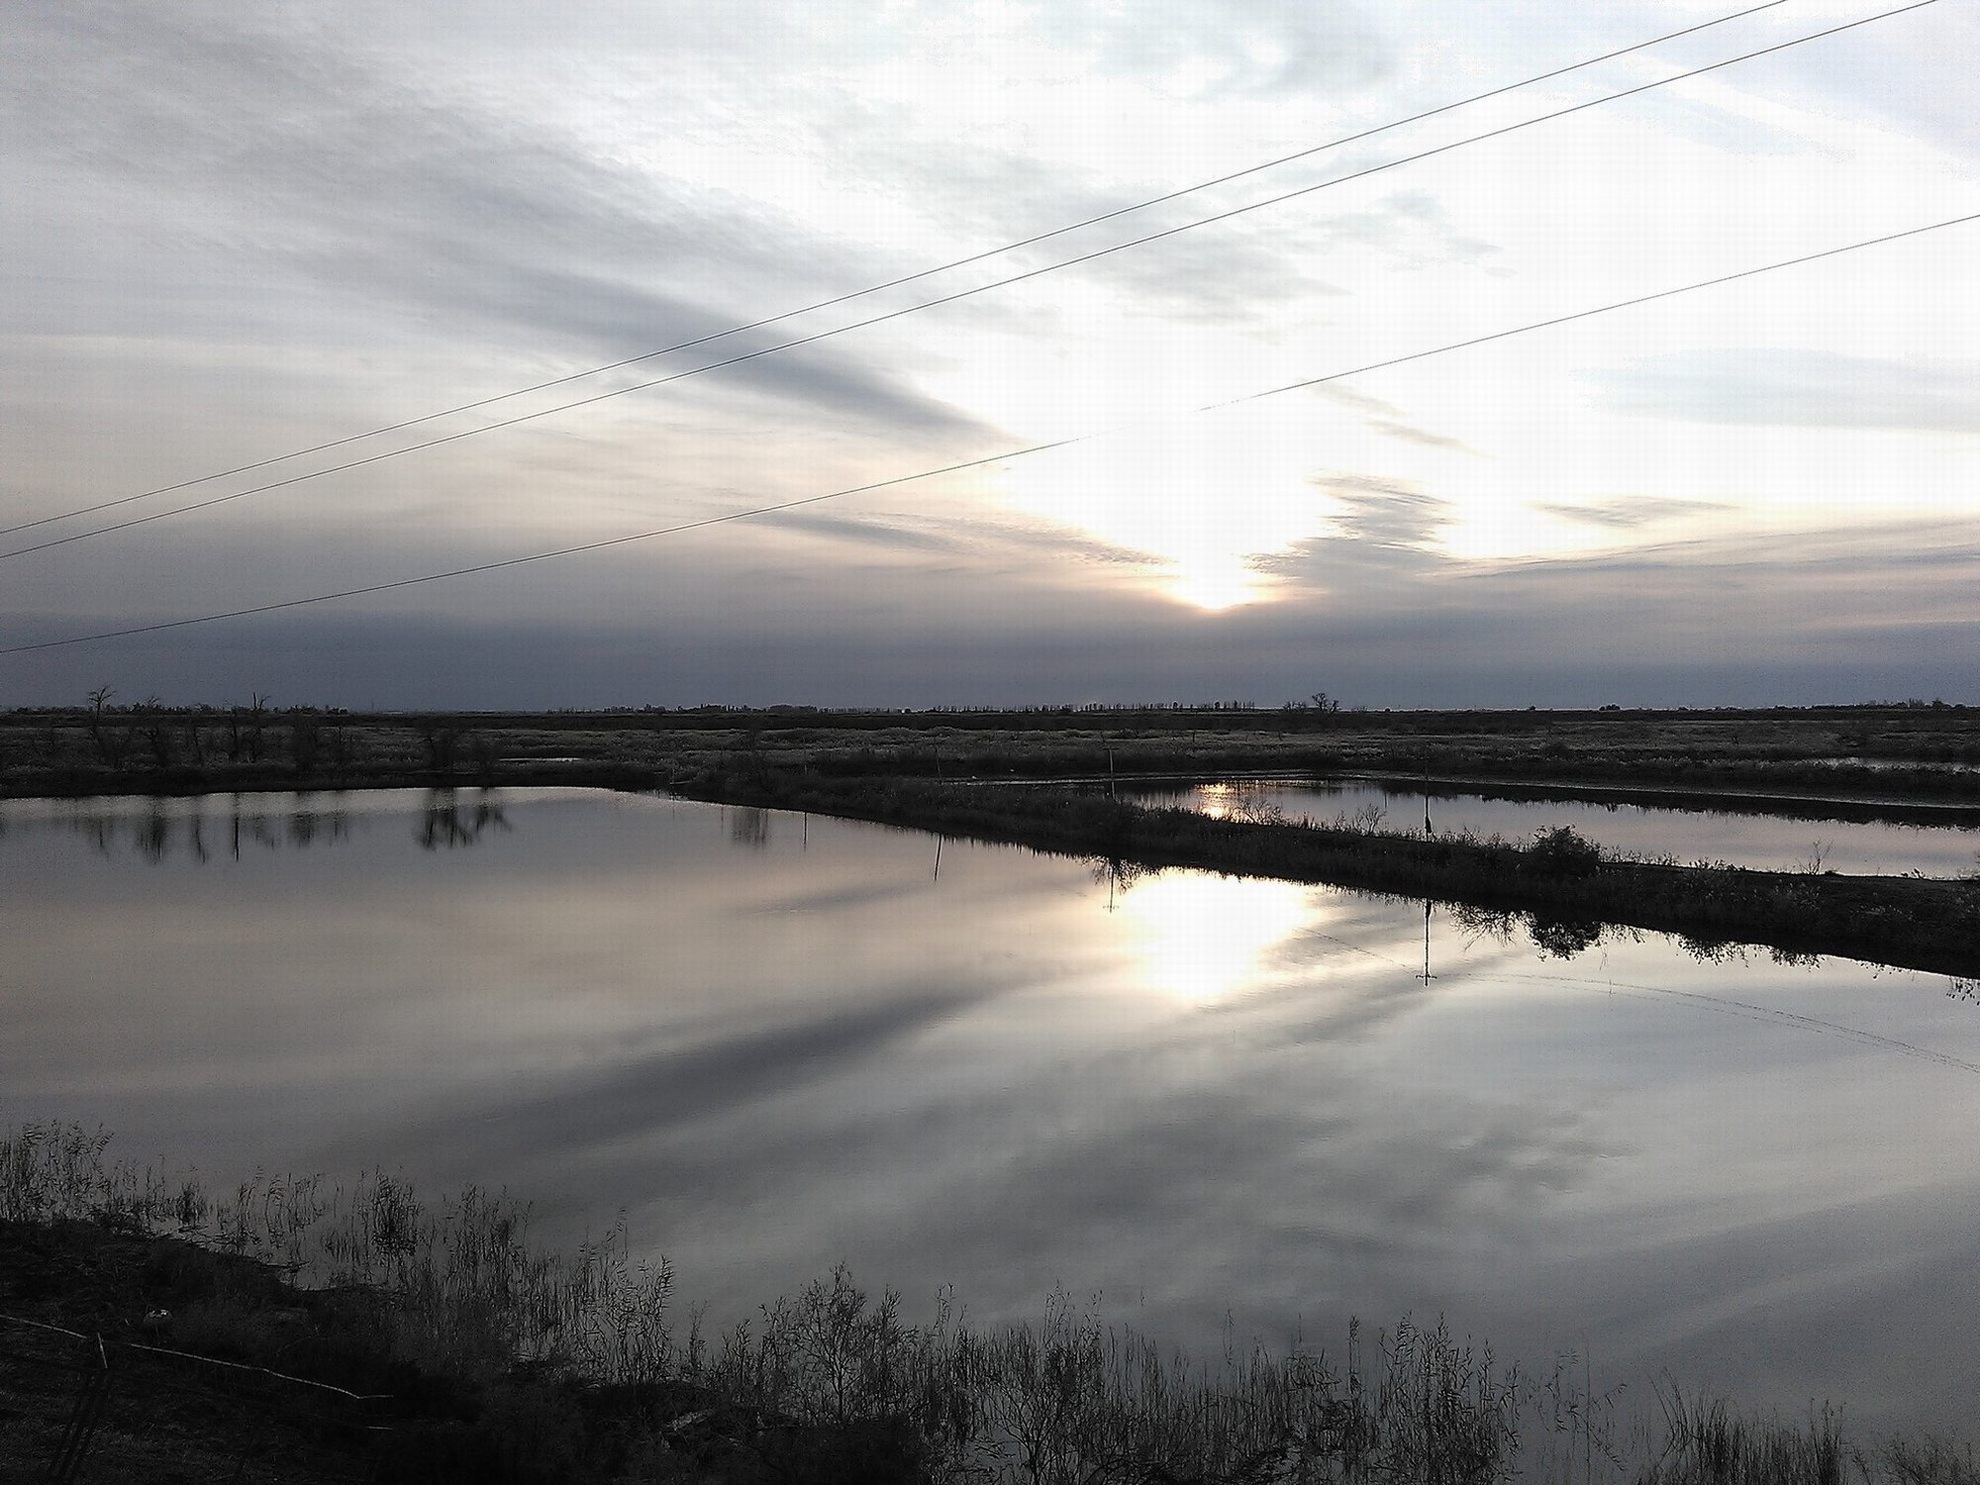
(1561, 851)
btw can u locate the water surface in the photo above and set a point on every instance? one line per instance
(779, 1042)
(1688, 836)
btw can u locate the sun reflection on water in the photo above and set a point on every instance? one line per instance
(1200, 938)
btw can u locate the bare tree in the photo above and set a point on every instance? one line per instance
(156, 731)
(257, 714)
(481, 750)
(337, 747)
(443, 744)
(305, 738)
(110, 744)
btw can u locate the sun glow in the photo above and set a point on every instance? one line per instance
(1199, 504)
(1216, 583)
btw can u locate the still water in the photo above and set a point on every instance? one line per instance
(779, 1042)
(1769, 842)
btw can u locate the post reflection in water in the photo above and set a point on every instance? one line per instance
(778, 1044)
(1427, 976)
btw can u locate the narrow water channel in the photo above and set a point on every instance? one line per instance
(1687, 836)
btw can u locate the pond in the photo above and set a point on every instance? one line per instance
(778, 1042)
(1768, 842)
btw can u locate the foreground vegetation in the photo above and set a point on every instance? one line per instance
(484, 1359)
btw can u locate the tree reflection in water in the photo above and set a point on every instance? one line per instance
(1562, 938)
(749, 825)
(1117, 874)
(167, 828)
(447, 822)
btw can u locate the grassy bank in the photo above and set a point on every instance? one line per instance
(484, 1359)
(1911, 922)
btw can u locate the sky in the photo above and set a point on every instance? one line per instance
(229, 233)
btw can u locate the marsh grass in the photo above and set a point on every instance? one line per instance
(1707, 1442)
(583, 1364)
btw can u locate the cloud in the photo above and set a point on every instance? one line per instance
(1386, 418)
(1630, 512)
(1379, 516)
(1375, 611)
(1414, 227)
(1420, 436)
(1787, 387)
(1249, 270)
(428, 207)
(979, 540)
(1222, 274)
(1232, 47)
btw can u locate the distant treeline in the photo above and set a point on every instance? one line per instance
(1884, 760)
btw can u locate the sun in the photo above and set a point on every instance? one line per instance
(1215, 583)
(1199, 506)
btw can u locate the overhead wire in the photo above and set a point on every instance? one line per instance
(962, 294)
(967, 464)
(892, 283)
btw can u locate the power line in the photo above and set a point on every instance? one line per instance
(893, 283)
(1038, 448)
(961, 294)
